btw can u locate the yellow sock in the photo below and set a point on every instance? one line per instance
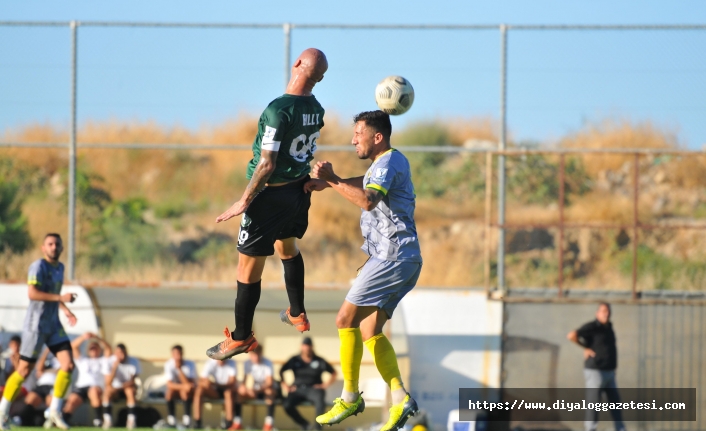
(351, 355)
(12, 386)
(61, 385)
(385, 360)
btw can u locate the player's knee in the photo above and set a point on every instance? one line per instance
(344, 320)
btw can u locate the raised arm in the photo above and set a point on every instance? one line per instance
(351, 188)
(263, 171)
(76, 343)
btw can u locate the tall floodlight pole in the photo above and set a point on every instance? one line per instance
(287, 52)
(501, 157)
(71, 261)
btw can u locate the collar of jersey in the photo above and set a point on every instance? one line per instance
(388, 151)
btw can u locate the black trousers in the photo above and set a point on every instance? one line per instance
(301, 395)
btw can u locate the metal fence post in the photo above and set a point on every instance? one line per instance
(287, 52)
(501, 157)
(71, 263)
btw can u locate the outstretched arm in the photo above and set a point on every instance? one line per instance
(351, 188)
(263, 171)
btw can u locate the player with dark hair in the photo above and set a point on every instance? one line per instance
(89, 384)
(120, 372)
(386, 195)
(600, 354)
(181, 383)
(218, 381)
(274, 206)
(42, 327)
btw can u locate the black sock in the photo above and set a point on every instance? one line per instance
(108, 410)
(98, 411)
(198, 424)
(245, 303)
(171, 408)
(67, 416)
(271, 410)
(294, 282)
(131, 410)
(237, 409)
(187, 407)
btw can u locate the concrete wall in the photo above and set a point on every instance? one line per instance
(658, 346)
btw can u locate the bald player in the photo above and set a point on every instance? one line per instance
(274, 206)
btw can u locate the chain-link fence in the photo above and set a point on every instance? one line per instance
(493, 206)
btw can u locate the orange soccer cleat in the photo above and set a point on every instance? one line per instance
(300, 323)
(230, 347)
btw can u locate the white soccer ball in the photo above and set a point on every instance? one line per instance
(394, 95)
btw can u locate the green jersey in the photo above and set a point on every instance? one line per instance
(289, 125)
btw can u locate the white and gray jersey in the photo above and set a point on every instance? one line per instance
(259, 372)
(90, 372)
(187, 367)
(125, 372)
(48, 376)
(220, 371)
(389, 229)
(43, 317)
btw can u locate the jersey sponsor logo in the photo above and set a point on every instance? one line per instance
(380, 173)
(308, 146)
(310, 119)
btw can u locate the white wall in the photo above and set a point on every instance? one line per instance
(13, 307)
(453, 339)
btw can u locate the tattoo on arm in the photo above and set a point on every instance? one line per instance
(373, 196)
(262, 173)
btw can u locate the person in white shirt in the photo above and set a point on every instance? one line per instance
(10, 358)
(120, 371)
(259, 371)
(90, 382)
(45, 371)
(181, 383)
(217, 381)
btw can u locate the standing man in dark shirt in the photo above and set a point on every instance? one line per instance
(307, 386)
(601, 359)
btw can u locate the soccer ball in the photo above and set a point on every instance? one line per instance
(394, 95)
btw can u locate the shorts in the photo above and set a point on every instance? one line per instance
(276, 213)
(44, 390)
(118, 394)
(33, 341)
(383, 284)
(82, 392)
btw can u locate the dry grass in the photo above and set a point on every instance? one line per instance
(617, 134)
(451, 231)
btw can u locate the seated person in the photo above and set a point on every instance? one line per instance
(9, 359)
(261, 385)
(41, 394)
(120, 371)
(218, 382)
(307, 386)
(181, 383)
(90, 381)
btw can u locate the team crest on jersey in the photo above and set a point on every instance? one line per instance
(245, 222)
(380, 173)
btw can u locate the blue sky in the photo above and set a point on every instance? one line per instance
(557, 81)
